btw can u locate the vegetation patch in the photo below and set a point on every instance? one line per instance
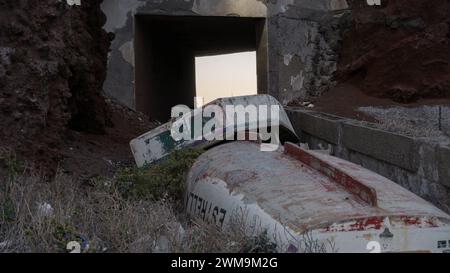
(164, 180)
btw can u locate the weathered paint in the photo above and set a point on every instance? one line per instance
(158, 143)
(299, 204)
(336, 173)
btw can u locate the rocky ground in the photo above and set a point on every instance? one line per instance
(86, 155)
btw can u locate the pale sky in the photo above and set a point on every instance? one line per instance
(226, 75)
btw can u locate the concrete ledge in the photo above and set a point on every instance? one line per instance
(392, 148)
(389, 147)
(322, 126)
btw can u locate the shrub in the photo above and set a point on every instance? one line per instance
(166, 179)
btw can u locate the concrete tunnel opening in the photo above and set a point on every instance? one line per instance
(166, 48)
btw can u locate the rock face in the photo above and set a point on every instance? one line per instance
(400, 50)
(52, 67)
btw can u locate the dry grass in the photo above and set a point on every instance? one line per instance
(37, 215)
(42, 216)
(240, 236)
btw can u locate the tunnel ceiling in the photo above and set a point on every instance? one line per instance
(205, 35)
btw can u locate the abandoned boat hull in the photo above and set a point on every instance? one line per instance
(158, 143)
(311, 202)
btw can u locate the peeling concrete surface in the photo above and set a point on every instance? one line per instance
(297, 82)
(118, 11)
(287, 59)
(127, 51)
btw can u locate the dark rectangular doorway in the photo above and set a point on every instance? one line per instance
(165, 51)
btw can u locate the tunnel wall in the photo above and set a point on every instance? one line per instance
(300, 41)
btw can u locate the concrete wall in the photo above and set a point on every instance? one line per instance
(421, 165)
(299, 41)
(428, 120)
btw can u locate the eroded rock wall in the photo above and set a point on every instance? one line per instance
(52, 66)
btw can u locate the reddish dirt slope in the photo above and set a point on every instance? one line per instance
(400, 50)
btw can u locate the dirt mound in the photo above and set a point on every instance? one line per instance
(86, 155)
(52, 67)
(346, 99)
(400, 50)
